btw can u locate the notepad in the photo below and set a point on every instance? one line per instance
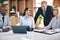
(50, 32)
(42, 31)
(36, 30)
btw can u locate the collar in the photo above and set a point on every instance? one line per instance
(1, 15)
(26, 17)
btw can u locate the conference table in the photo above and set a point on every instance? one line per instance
(29, 36)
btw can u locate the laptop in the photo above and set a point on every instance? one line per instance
(20, 29)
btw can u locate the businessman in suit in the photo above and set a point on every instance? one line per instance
(46, 12)
(4, 21)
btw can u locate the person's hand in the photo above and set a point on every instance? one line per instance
(30, 28)
(6, 29)
(49, 30)
(52, 30)
(36, 27)
(41, 28)
(45, 30)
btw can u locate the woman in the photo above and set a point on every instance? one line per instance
(55, 22)
(26, 19)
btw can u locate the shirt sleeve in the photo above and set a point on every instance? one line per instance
(37, 14)
(33, 23)
(50, 25)
(7, 24)
(20, 22)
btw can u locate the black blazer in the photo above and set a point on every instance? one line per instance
(48, 14)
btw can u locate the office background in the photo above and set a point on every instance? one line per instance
(20, 5)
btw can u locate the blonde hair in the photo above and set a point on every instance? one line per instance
(58, 14)
(58, 11)
(43, 2)
(55, 9)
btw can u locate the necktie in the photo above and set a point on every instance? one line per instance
(44, 12)
(3, 19)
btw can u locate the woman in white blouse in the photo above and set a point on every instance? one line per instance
(27, 19)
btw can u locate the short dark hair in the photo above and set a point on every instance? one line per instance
(26, 9)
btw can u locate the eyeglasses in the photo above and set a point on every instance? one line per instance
(29, 10)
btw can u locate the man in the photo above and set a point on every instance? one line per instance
(46, 12)
(4, 21)
(0, 9)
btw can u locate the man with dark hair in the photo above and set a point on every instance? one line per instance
(46, 12)
(4, 21)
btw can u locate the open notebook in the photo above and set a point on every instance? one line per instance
(42, 31)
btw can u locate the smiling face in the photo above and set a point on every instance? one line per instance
(43, 4)
(28, 12)
(4, 11)
(55, 12)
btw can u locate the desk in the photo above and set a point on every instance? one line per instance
(34, 36)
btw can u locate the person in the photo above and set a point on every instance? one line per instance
(27, 20)
(55, 22)
(0, 9)
(46, 11)
(4, 21)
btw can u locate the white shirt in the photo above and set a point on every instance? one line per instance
(6, 21)
(27, 21)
